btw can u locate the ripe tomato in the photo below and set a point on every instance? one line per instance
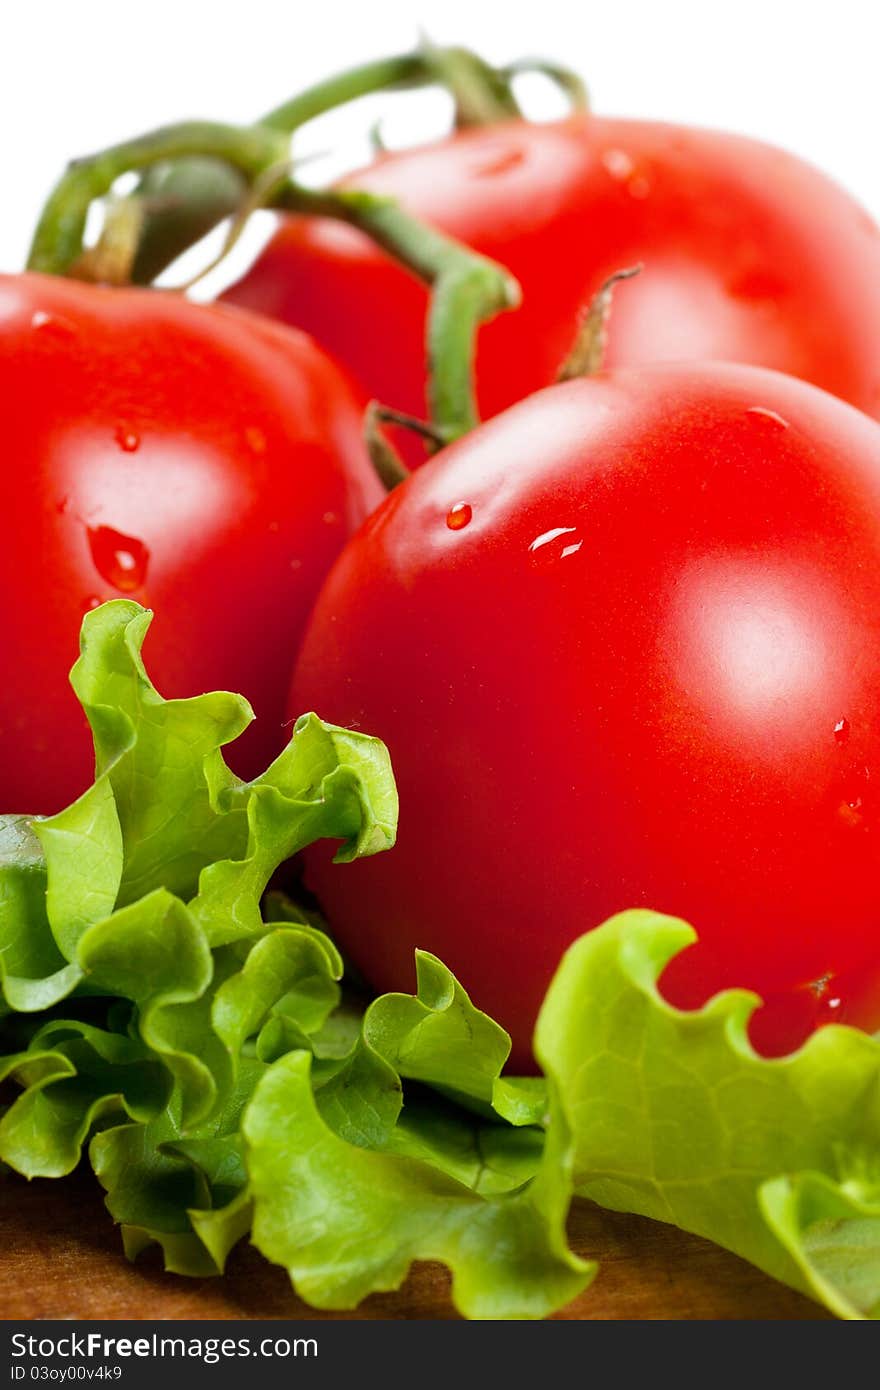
(623, 643)
(201, 460)
(750, 255)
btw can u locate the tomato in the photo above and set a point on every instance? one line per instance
(750, 255)
(623, 643)
(198, 459)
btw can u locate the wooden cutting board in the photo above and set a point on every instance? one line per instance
(60, 1257)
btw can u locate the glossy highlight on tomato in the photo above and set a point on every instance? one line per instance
(749, 255)
(646, 672)
(199, 459)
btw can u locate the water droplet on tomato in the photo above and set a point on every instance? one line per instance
(128, 441)
(553, 535)
(121, 560)
(458, 516)
(618, 164)
(256, 439)
(296, 564)
(827, 1003)
(623, 169)
(330, 518)
(841, 731)
(91, 601)
(857, 795)
(772, 417)
(51, 325)
(499, 163)
(62, 505)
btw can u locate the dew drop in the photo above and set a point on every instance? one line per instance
(458, 516)
(91, 601)
(618, 164)
(330, 518)
(296, 564)
(826, 1002)
(121, 560)
(52, 325)
(771, 416)
(850, 813)
(256, 440)
(841, 731)
(549, 536)
(857, 802)
(128, 441)
(499, 163)
(623, 169)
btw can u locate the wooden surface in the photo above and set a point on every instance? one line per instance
(60, 1257)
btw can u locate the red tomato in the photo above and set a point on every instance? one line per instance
(750, 255)
(200, 460)
(623, 643)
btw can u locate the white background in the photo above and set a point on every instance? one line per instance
(79, 74)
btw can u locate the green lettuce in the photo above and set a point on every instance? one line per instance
(189, 1030)
(168, 1012)
(675, 1116)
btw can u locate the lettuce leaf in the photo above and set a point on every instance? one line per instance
(127, 902)
(165, 1009)
(347, 1221)
(675, 1116)
(33, 973)
(206, 1055)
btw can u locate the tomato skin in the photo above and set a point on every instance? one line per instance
(197, 459)
(750, 255)
(646, 673)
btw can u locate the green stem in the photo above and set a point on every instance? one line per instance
(467, 288)
(390, 467)
(397, 73)
(569, 83)
(482, 94)
(183, 201)
(186, 199)
(58, 240)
